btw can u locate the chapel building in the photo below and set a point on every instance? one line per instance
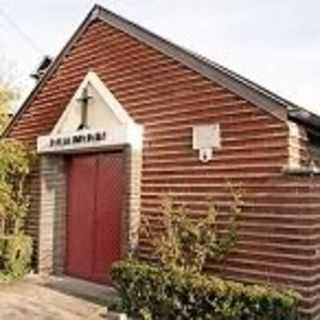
(123, 116)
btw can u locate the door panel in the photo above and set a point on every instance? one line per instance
(108, 212)
(81, 208)
(95, 189)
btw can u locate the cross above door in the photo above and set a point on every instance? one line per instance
(84, 101)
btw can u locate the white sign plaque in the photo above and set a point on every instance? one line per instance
(206, 138)
(90, 139)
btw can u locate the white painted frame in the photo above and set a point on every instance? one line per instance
(127, 132)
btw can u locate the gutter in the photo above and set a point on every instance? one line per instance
(307, 118)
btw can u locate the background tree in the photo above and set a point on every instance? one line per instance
(9, 91)
(6, 97)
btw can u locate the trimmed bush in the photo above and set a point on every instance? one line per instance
(148, 292)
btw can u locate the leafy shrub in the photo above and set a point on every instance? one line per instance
(148, 292)
(15, 246)
(185, 242)
(15, 161)
(15, 256)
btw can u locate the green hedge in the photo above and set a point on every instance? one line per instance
(149, 293)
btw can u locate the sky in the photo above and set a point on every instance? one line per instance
(275, 43)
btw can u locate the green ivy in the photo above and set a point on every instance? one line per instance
(150, 293)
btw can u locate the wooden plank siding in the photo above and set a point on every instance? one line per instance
(279, 231)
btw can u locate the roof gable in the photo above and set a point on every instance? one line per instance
(105, 111)
(244, 88)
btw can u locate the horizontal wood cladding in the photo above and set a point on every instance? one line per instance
(279, 228)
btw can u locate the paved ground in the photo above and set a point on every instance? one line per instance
(50, 300)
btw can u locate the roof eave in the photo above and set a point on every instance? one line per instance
(212, 71)
(308, 119)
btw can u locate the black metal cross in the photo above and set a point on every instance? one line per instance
(84, 100)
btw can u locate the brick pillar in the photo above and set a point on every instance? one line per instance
(52, 222)
(296, 134)
(134, 194)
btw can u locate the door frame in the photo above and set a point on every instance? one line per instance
(53, 206)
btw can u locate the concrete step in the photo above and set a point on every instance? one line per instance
(97, 293)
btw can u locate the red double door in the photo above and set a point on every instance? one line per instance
(95, 192)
